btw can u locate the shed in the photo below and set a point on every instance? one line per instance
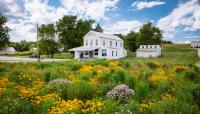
(147, 51)
(7, 50)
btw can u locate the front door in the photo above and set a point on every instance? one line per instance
(81, 55)
(91, 54)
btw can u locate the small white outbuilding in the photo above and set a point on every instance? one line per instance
(147, 51)
(195, 44)
(8, 50)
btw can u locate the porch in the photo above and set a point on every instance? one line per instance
(85, 52)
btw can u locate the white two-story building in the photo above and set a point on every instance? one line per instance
(100, 45)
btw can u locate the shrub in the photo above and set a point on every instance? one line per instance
(142, 90)
(152, 65)
(190, 74)
(122, 93)
(110, 106)
(130, 81)
(81, 90)
(14, 106)
(51, 75)
(126, 64)
(196, 95)
(104, 88)
(174, 107)
(74, 66)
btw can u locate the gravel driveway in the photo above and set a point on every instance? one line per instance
(18, 59)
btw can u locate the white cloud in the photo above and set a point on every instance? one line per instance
(184, 42)
(25, 14)
(192, 37)
(143, 4)
(94, 9)
(186, 17)
(123, 27)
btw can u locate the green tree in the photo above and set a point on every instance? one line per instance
(4, 36)
(71, 31)
(98, 28)
(47, 43)
(149, 35)
(131, 41)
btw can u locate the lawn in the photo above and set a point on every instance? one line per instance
(171, 56)
(169, 84)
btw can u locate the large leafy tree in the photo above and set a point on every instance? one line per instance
(149, 34)
(47, 43)
(4, 36)
(71, 31)
(130, 41)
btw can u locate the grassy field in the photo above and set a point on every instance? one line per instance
(171, 56)
(169, 84)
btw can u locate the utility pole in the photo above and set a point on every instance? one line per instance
(38, 57)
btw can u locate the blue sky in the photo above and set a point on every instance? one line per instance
(180, 19)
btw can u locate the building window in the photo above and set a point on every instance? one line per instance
(120, 44)
(116, 44)
(86, 53)
(91, 42)
(104, 43)
(116, 53)
(112, 53)
(86, 42)
(150, 46)
(96, 52)
(111, 43)
(96, 42)
(104, 52)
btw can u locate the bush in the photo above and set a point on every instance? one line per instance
(104, 88)
(190, 74)
(110, 107)
(122, 93)
(152, 65)
(14, 106)
(81, 90)
(174, 107)
(196, 95)
(130, 82)
(51, 75)
(142, 90)
(126, 64)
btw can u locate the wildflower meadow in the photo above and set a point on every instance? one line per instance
(99, 87)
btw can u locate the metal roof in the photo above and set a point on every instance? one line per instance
(83, 48)
(104, 35)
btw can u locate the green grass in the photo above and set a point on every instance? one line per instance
(171, 56)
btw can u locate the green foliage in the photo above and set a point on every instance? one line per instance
(130, 41)
(149, 35)
(142, 90)
(47, 43)
(104, 88)
(81, 90)
(192, 75)
(196, 95)
(110, 107)
(23, 45)
(4, 36)
(71, 31)
(152, 65)
(51, 75)
(174, 107)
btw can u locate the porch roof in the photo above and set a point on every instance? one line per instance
(83, 48)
